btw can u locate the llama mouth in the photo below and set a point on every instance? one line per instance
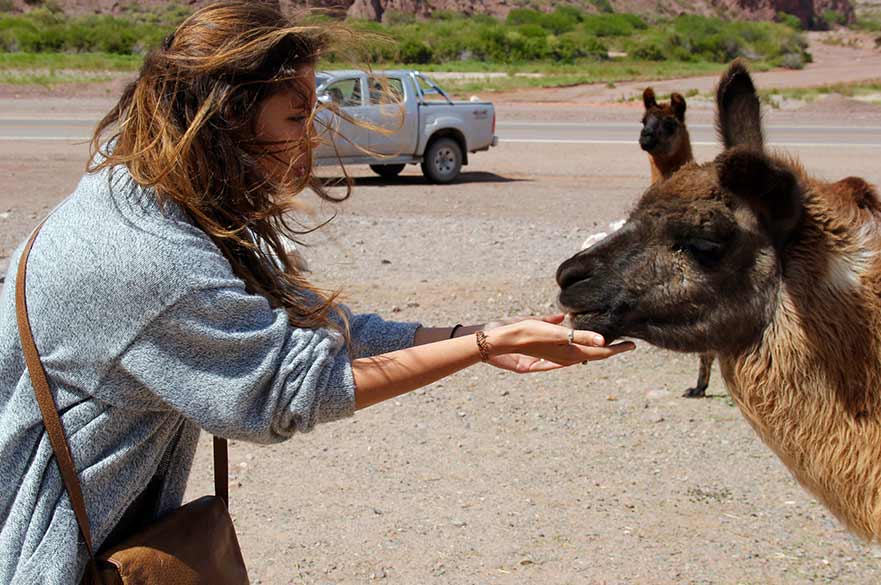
(598, 322)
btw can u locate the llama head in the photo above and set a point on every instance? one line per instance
(663, 125)
(698, 263)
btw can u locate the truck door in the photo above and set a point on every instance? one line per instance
(391, 107)
(340, 137)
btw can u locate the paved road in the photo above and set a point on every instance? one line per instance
(73, 129)
(701, 134)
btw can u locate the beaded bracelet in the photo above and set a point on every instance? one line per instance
(482, 346)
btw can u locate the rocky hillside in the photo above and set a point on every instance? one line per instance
(809, 11)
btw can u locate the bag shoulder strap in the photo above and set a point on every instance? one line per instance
(52, 421)
(45, 401)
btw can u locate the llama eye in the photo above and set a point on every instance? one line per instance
(669, 126)
(705, 252)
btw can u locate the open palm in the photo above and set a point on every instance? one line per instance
(519, 363)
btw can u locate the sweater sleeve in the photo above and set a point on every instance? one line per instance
(234, 366)
(373, 335)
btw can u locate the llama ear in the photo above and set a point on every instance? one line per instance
(738, 112)
(648, 98)
(771, 189)
(677, 102)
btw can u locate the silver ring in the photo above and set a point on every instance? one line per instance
(571, 337)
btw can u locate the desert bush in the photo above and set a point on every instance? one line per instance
(613, 25)
(413, 51)
(603, 6)
(868, 23)
(42, 31)
(792, 61)
(789, 20)
(833, 18)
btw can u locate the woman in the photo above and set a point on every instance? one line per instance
(162, 300)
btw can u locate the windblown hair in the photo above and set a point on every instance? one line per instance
(186, 129)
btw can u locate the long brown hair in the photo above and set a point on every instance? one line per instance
(185, 129)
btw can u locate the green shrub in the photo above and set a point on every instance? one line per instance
(793, 61)
(532, 30)
(561, 20)
(833, 18)
(570, 47)
(42, 31)
(416, 52)
(395, 17)
(613, 25)
(789, 20)
(565, 35)
(649, 50)
(603, 6)
(868, 23)
(520, 16)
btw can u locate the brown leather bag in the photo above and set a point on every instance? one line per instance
(195, 544)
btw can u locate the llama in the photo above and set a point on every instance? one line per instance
(779, 275)
(665, 138)
(664, 135)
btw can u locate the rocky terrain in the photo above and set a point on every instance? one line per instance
(808, 11)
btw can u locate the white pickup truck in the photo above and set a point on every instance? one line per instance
(420, 123)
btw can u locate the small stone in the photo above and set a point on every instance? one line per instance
(505, 393)
(611, 398)
(459, 523)
(384, 261)
(657, 394)
(526, 562)
(396, 309)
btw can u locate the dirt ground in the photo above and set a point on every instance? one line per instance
(598, 474)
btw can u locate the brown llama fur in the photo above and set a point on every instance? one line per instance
(779, 275)
(665, 138)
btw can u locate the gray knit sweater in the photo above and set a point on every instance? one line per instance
(147, 337)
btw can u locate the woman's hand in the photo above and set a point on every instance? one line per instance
(541, 344)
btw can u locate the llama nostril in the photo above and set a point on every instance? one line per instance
(568, 274)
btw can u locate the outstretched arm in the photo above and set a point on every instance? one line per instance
(392, 374)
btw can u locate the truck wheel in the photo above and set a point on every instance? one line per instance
(387, 171)
(442, 161)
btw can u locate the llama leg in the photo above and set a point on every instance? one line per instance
(703, 377)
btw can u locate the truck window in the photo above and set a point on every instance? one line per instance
(345, 92)
(386, 90)
(429, 94)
